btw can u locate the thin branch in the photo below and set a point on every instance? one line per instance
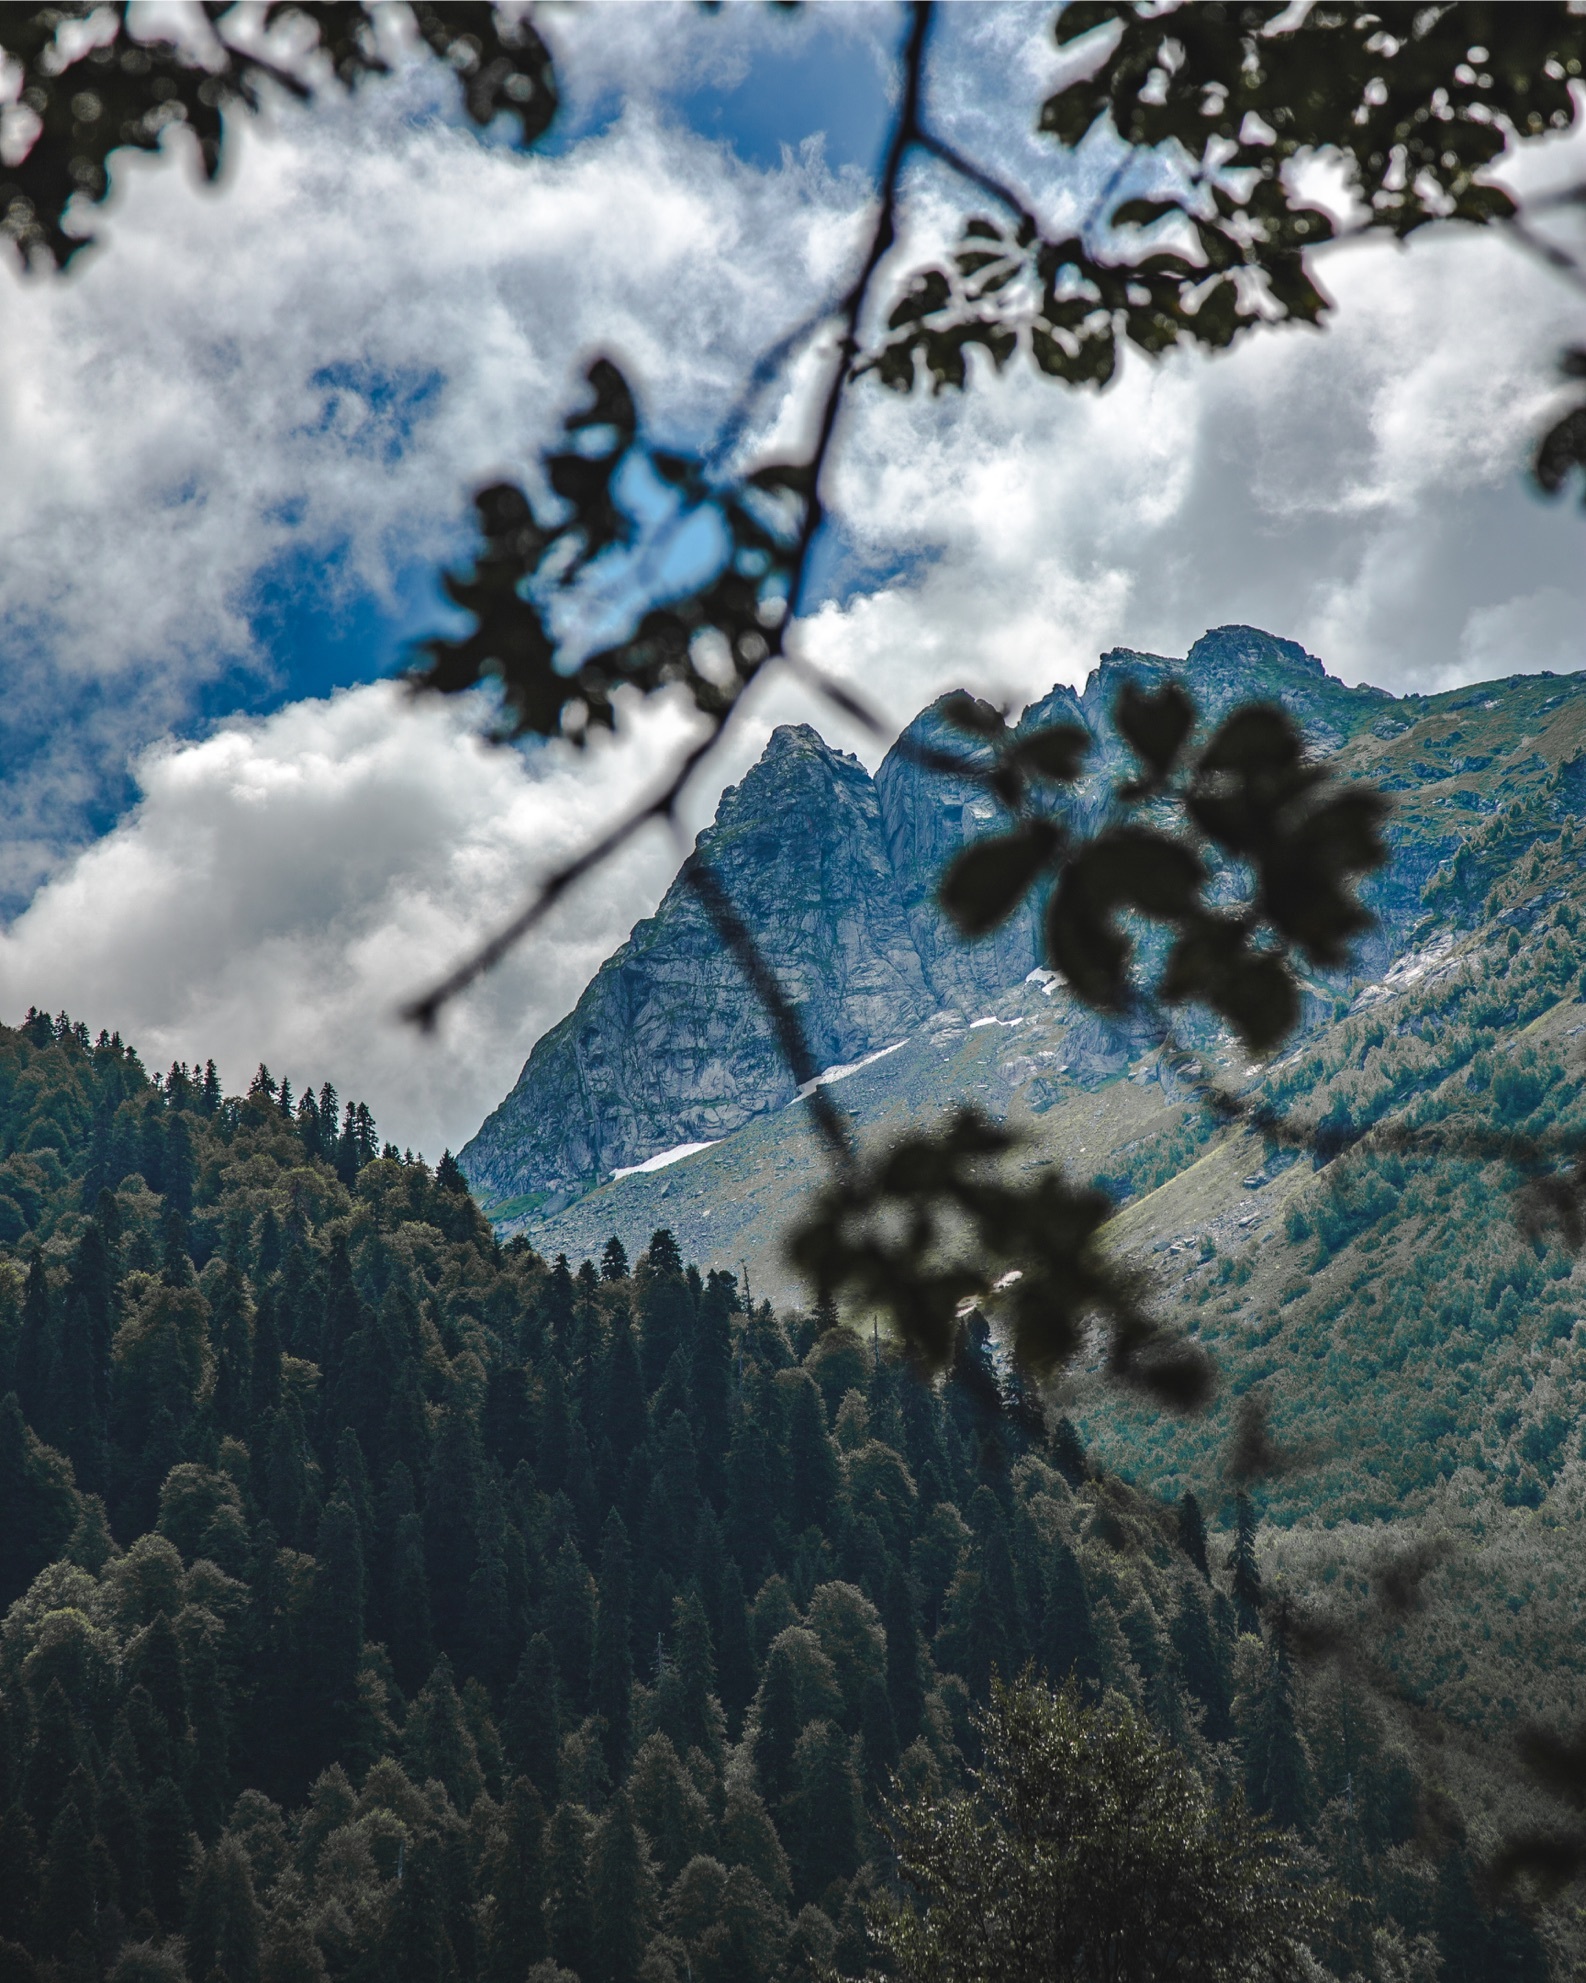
(736, 935)
(425, 1010)
(1558, 259)
(977, 175)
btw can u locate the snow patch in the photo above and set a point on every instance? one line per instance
(672, 1156)
(841, 1073)
(991, 1019)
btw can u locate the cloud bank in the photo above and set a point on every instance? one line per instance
(281, 886)
(276, 400)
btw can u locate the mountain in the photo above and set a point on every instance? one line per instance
(835, 875)
(1411, 1340)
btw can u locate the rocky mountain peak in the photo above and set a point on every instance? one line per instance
(835, 873)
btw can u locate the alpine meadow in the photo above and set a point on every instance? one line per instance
(916, 671)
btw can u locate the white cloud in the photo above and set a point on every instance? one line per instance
(373, 315)
(377, 312)
(282, 885)
(1360, 489)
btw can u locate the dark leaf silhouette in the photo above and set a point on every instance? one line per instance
(123, 92)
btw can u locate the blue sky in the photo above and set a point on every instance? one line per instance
(315, 625)
(239, 442)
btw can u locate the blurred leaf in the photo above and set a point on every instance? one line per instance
(969, 714)
(123, 93)
(987, 881)
(1057, 753)
(931, 1226)
(1155, 724)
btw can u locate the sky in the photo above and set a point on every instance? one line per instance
(238, 441)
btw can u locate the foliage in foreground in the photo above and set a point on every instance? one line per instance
(1088, 1850)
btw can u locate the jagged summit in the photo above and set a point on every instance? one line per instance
(835, 873)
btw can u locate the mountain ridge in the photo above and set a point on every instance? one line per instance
(834, 872)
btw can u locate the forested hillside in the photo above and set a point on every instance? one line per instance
(384, 1602)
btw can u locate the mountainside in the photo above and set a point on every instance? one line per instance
(1414, 1344)
(835, 874)
(382, 1604)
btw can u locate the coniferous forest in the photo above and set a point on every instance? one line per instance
(381, 1602)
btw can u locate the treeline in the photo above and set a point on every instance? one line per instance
(383, 1603)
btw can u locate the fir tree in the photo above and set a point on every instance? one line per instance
(1192, 1533)
(570, 1919)
(515, 1931)
(1068, 1630)
(611, 1663)
(530, 1731)
(621, 1892)
(776, 1726)
(419, 1946)
(437, 1741)
(614, 1260)
(905, 1688)
(1246, 1572)
(224, 1920)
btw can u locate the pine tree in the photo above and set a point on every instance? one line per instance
(557, 1300)
(879, 1733)
(1202, 1666)
(1247, 1574)
(530, 1731)
(419, 1947)
(811, 1460)
(66, 1902)
(233, 1341)
(777, 1726)
(665, 1308)
(1277, 1764)
(614, 1260)
(1068, 1630)
(18, 1875)
(507, 1427)
(437, 1741)
(569, 1615)
(554, 1429)
(35, 1345)
(121, 1827)
(668, 1806)
(451, 1525)
(710, 1379)
(825, 1815)
(411, 1639)
(333, 1629)
(179, 1165)
(168, 1839)
(735, 1665)
(621, 1892)
(570, 1919)
(1192, 1533)
(751, 1500)
(224, 1920)
(905, 1687)
(685, 1705)
(208, 1774)
(611, 1661)
(515, 1932)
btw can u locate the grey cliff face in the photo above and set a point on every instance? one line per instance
(669, 1044)
(835, 874)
